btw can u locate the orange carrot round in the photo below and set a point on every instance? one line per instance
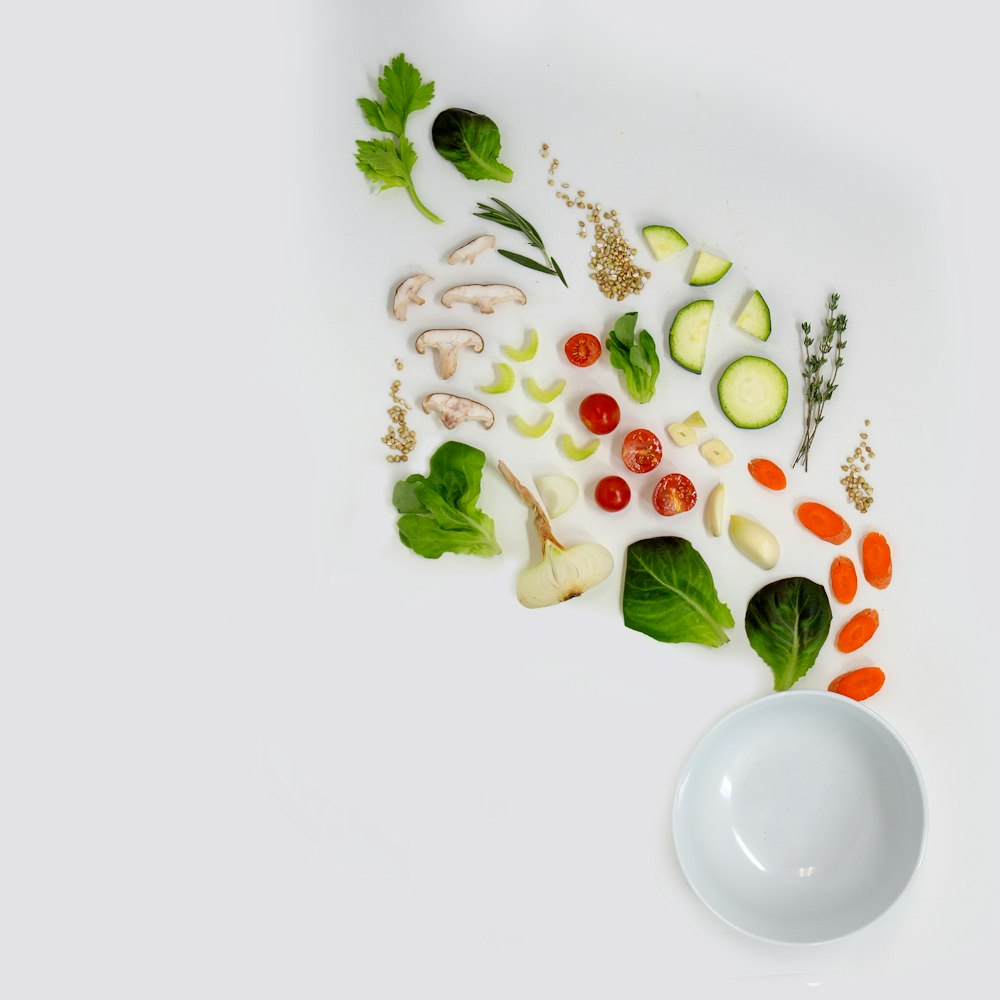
(823, 522)
(858, 684)
(876, 560)
(857, 631)
(767, 473)
(843, 579)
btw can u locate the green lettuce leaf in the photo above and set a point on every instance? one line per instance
(670, 594)
(438, 512)
(787, 623)
(636, 359)
(472, 143)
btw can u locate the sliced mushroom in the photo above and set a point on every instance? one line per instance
(406, 292)
(446, 345)
(483, 296)
(454, 409)
(468, 252)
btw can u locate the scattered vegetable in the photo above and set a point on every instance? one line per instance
(504, 381)
(755, 541)
(453, 410)
(446, 344)
(562, 573)
(583, 349)
(859, 491)
(506, 216)
(544, 395)
(664, 241)
(635, 356)
(823, 522)
(859, 684)
(820, 385)
(684, 432)
(857, 631)
(843, 579)
(468, 252)
(534, 430)
(753, 392)
(558, 493)
(471, 142)
(383, 161)
(399, 438)
(876, 560)
(575, 452)
(407, 291)
(641, 450)
(767, 473)
(715, 507)
(600, 413)
(612, 493)
(756, 317)
(688, 336)
(485, 297)
(716, 453)
(438, 511)
(787, 622)
(674, 494)
(708, 268)
(669, 594)
(525, 353)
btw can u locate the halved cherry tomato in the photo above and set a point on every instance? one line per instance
(674, 494)
(583, 349)
(641, 451)
(612, 493)
(600, 413)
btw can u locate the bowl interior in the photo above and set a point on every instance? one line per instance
(800, 818)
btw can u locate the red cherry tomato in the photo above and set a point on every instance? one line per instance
(674, 494)
(600, 413)
(583, 349)
(612, 493)
(641, 451)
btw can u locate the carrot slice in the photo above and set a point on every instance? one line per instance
(857, 631)
(843, 579)
(858, 684)
(767, 473)
(876, 560)
(823, 522)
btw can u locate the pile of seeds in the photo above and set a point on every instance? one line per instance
(611, 264)
(399, 438)
(859, 491)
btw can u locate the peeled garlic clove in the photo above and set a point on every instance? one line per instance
(682, 434)
(563, 574)
(716, 453)
(558, 493)
(754, 541)
(715, 509)
(696, 420)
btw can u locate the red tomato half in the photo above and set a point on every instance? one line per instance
(612, 493)
(641, 451)
(674, 494)
(583, 349)
(600, 413)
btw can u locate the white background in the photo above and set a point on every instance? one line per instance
(249, 745)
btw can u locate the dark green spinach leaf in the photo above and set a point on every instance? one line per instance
(471, 142)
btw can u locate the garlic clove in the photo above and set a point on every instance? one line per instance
(564, 574)
(682, 434)
(715, 452)
(715, 507)
(558, 493)
(755, 541)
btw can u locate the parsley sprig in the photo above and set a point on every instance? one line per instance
(822, 361)
(506, 216)
(389, 162)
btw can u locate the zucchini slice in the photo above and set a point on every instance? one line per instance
(689, 334)
(756, 317)
(753, 392)
(664, 241)
(708, 268)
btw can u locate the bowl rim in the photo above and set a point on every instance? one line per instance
(850, 705)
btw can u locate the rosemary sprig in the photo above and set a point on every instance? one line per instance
(820, 371)
(506, 216)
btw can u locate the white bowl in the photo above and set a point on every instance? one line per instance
(800, 818)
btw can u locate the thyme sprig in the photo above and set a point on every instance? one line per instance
(506, 216)
(822, 361)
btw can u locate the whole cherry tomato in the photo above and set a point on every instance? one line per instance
(674, 494)
(600, 413)
(612, 493)
(583, 349)
(641, 450)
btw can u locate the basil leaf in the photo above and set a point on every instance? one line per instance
(635, 359)
(438, 511)
(471, 142)
(787, 623)
(670, 594)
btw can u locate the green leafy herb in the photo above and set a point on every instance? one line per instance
(819, 377)
(472, 143)
(787, 623)
(438, 511)
(670, 594)
(389, 162)
(637, 359)
(506, 216)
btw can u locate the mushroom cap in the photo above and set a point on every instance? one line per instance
(485, 296)
(453, 410)
(406, 292)
(437, 339)
(468, 252)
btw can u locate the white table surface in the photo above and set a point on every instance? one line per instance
(249, 745)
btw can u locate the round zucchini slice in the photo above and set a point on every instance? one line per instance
(753, 392)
